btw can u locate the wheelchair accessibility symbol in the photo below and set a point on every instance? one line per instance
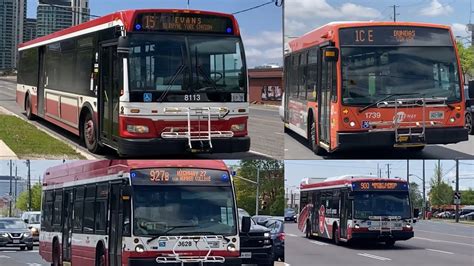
(365, 124)
(147, 97)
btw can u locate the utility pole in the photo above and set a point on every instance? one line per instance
(424, 194)
(408, 172)
(258, 190)
(16, 178)
(188, 4)
(388, 170)
(11, 192)
(457, 191)
(29, 185)
(395, 13)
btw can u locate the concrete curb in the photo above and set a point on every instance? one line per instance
(82, 153)
(6, 153)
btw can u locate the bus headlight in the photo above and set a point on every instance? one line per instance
(238, 127)
(352, 124)
(139, 248)
(452, 119)
(231, 247)
(356, 226)
(137, 129)
(266, 235)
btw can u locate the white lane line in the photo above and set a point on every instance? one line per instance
(373, 256)
(4, 257)
(293, 235)
(260, 154)
(319, 243)
(3, 87)
(279, 133)
(9, 251)
(34, 250)
(471, 237)
(440, 251)
(444, 241)
(34, 264)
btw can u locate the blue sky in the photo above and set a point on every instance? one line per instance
(296, 170)
(261, 28)
(302, 16)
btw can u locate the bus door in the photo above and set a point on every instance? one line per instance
(67, 224)
(324, 99)
(109, 91)
(115, 225)
(343, 211)
(41, 81)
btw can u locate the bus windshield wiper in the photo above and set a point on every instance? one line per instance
(180, 70)
(385, 98)
(167, 231)
(200, 71)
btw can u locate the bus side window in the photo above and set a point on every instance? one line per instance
(88, 223)
(333, 81)
(78, 210)
(312, 83)
(302, 75)
(57, 209)
(101, 208)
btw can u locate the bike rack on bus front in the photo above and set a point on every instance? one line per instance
(176, 257)
(197, 136)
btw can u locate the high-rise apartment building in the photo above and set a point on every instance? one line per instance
(55, 15)
(12, 22)
(30, 30)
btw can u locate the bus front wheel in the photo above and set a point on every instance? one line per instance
(313, 143)
(390, 243)
(100, 257)
(28, 108)
(335, 235)
(308, 230)
(56, 260)
(469, 124)
(91, 139)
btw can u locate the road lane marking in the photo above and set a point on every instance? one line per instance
(4, 257)
(445, 241)
(440, 251)
(9, 251)
(471, 237)
(3, 87)
(319, 243)
(293, 235)
(260, 154)
(34, 264)
(373, 256)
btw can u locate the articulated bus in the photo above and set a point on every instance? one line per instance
(351, 208)
(142, 82)
(125, 212)
(375, 84)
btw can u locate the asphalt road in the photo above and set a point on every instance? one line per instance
(14, 257)
(435, 243)
(296, 148)
(265, 131)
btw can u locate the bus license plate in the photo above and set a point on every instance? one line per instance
(403, 138)
(246, 255)
(16, 241)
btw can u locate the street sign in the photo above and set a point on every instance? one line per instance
(457, 201)
(457, 198)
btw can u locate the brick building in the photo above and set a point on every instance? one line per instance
(266, 85)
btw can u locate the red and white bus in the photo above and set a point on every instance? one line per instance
(142, 82)
(349, 208)
(128, 213)
(356, 85)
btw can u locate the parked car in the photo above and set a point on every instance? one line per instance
(467, 216)
(445, 214)
(15, 233)
(290, 215)
(277, 232)
(33, 222)
(261, 219)
(256, 246)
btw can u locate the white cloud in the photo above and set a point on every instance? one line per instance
(302, 16)
(436, 9)
(459, 29)
(264, 48)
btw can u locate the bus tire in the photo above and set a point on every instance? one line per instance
(28, 108)
(56, 256)
(469, 125)
(390, 243)
(100, 256)
(313, 145)
(335, 235)
(308, 232)
(90, 133)
(22, 248)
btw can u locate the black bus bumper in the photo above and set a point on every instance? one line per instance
(152, 262)
(158, 146)
(356, 140)
(381, 236)
(259, 255)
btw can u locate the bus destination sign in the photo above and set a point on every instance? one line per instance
(183, 22)
(395, 36)
(379, 185)
(181, 176)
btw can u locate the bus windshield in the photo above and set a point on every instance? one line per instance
(372, 73)
(183, 210)
(385, 203)
(176, 65)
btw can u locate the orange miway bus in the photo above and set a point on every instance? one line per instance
(129, 212)
(375, 84)
(141, 82)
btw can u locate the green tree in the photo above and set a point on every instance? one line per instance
(271, 194)
(441, 194)
(466, 55)
(467, 197)
(22, 202)
(416, 196)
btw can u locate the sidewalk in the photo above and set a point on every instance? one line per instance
(6, 153)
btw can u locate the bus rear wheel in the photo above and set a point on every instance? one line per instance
(28, 108)
(469, 125)
(313, 144)
(91, 139)
(308, 232)
(100, 258)
(335, 235)
(56, 260)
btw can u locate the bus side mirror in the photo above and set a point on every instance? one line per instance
(416, 213)
(246, 224)
(331, 54)
(470, 89)
(123, 46)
